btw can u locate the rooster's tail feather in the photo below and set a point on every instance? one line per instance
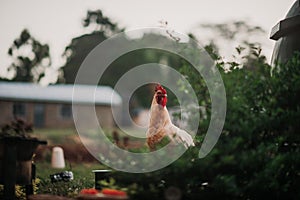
(183, 137)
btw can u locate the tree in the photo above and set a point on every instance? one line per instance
(30, 58)
(100, 23)
(233, 41)
(76, 52)
(101, 28)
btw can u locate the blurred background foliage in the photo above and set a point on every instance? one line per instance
(30, 58)
(257, 155)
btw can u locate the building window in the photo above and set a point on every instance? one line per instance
(19, 109)
(66, 111)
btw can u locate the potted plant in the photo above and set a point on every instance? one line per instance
(16, 151)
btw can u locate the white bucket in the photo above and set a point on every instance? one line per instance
(58, 160)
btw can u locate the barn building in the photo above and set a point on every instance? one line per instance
(51, 106)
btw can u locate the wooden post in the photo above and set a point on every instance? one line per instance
(9, 171)
(29, 188)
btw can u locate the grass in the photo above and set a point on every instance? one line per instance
(82, 172)
(54, 136)
(83, 175)
(58, 136)
(44, 170)
(83, 178)
(70, 136)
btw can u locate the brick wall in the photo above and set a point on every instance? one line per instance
(52, 114)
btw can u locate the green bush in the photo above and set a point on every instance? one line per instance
(257, 155)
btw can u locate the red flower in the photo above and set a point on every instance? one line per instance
(89, 191)
(113, 192)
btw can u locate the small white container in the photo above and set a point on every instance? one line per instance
(58, 160)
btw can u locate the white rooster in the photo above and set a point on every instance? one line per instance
(161, 124)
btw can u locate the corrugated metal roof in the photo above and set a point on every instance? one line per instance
(103, 95)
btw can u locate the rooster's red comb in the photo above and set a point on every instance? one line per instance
(159, 87)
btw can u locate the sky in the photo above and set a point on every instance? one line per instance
(56, 22)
